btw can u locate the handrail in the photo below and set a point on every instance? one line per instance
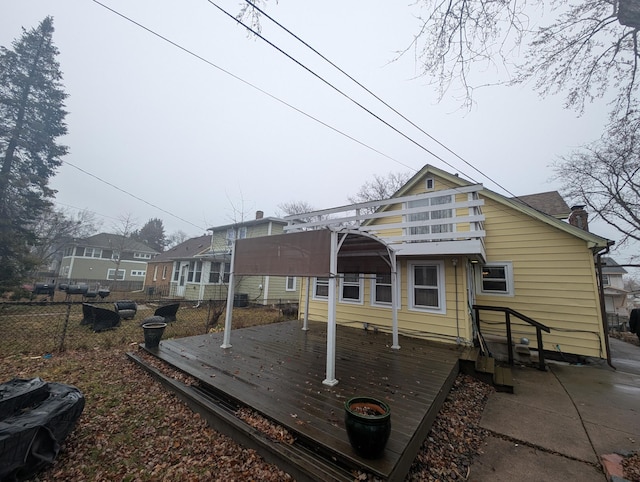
(507, 314)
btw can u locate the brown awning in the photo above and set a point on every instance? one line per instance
(307, 254)
(295, 254)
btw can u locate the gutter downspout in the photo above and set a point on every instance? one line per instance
(603, 312)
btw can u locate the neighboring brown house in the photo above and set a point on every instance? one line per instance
(160, 270)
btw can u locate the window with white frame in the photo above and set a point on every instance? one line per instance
(351, 288)
(231, 236)
(219, 272)
(381, 290)
(290, 283)
(497, 278)
(138, 272)
(164, 272)
(111, 274)
(197, 275)
(605, 280)
(176, 271)
(142, 255)
(426, 286)
(242, 232)
(92, 252)
(155, 273)
(214, 273)
(321, 288)
(437, 214)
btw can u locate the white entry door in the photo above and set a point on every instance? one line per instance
(182, 280)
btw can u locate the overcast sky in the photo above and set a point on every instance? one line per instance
(194, 141)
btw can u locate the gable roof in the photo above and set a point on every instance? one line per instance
(115, 241)
(550, 202)
(610, 266)
(187, 249)
(593, 240)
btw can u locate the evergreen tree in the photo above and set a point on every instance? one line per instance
(152, 234)
(31, 120)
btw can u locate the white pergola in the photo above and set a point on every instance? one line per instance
(316, 253)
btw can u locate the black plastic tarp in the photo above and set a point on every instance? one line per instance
(35, 417)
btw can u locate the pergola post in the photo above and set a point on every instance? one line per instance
(331, 321)
(394, 299)
(226, 341)
(305, 324)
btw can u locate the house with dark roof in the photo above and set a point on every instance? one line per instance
(105, 257)
(199, 268)
(550, 202)
(615, 295)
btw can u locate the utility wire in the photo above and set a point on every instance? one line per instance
(249, 84)
(323, 57)
(133, 195)
(319, 77)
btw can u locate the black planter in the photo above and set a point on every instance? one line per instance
(153, 334)
(368, 424)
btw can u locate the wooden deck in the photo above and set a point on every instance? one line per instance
(278, 371)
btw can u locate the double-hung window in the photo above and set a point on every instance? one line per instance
(351, 288)
(321, 288)
(426, 286)
(381, 289)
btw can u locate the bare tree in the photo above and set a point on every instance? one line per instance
(605, 176)
(176, 238)
(56, 227)
(381, 187)
(124, 229)
(587, 49)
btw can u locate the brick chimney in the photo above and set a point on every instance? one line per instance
(259, 214)
(578, 217)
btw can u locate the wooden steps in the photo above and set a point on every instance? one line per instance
(484, 368)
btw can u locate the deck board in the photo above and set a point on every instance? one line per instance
(278, 370)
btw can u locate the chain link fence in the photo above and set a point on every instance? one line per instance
(43, 327)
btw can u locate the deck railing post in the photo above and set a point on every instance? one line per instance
(541, 365)
(509, 342)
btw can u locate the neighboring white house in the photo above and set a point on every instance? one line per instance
(615, 295)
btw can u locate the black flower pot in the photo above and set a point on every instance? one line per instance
(368, 424)
(153, 333)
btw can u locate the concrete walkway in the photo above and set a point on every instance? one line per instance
(559, 424)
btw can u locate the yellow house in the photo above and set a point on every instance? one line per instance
(447, 260)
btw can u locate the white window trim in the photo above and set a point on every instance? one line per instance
(360, 283)
(286, 283)
(313, 295)
(138, 272)
(155, 273)
(382, 304)
(442, 299)
(112, 271)
(508, 265)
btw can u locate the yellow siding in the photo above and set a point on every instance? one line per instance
(554, 283)
(554, 280)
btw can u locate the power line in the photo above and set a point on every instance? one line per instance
(323, 57)
(322, 79)
(133, 195)
(249, 84)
